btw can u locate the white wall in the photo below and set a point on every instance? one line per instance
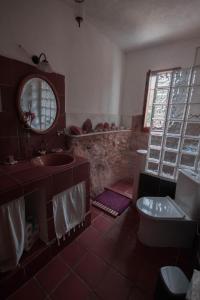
(91, 63)
(137, 63)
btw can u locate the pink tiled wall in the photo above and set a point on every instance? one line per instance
(14, 139)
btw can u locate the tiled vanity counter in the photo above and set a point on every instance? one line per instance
(24, 179)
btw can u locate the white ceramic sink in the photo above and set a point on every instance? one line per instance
(53, 160)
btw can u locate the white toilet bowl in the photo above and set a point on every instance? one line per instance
(165, 222)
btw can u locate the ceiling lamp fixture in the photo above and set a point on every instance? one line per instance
(42, 62)
(79, 11)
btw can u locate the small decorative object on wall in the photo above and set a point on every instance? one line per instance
(99, 127)
(79, 11)
(106, 126)
(38, 104)
(87, 126)
(74, 130)
(113, 126)
(28, 117)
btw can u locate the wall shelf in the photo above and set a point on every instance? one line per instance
(98, 133)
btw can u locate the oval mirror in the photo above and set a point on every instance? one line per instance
(38, 104)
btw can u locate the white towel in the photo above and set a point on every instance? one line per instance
(69, 208)
(12, 232)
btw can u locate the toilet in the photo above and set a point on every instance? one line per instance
(165, 222)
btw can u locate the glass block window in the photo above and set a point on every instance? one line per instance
(174, 120)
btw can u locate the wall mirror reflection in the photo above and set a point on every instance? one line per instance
(38, 104)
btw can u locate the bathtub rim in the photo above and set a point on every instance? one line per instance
(183, 217)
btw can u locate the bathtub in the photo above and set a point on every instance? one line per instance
(164, 224)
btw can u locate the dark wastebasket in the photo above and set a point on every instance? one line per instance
(172, 284)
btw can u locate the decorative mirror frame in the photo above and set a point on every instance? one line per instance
(20, 112)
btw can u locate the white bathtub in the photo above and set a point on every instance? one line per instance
(164, 224)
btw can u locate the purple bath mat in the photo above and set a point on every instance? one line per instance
(111, 202)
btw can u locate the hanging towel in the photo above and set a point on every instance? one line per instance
(69, 208)
(12, 231)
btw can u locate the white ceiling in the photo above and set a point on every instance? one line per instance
(134, 24)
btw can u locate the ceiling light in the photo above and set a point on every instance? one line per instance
(79, 11)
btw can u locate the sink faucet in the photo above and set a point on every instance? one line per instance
(61, 131)
(43, 148)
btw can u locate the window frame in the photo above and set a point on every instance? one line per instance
(176, 107)
(146, 92)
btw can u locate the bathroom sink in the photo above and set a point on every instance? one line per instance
(53, 160)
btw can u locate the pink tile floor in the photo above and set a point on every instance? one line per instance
(105, 262)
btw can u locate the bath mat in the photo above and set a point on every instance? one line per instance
(111, 202)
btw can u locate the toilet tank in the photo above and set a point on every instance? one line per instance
(188, 193)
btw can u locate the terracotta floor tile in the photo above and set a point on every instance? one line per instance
(140, 294)
(127, 265)
(157, 256)
(109, 217)
(92, 296)
(73, 253)
(102, 224)
(92, 269)
(108, 261)
(119, 232)
(52, 274)
(30, 291)
(93, 216)
(106, 249)
(89, 237)
(11, 281)
(71, 288)
(114, 286)
(129, 218)
(95, 212)
(147, 277)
